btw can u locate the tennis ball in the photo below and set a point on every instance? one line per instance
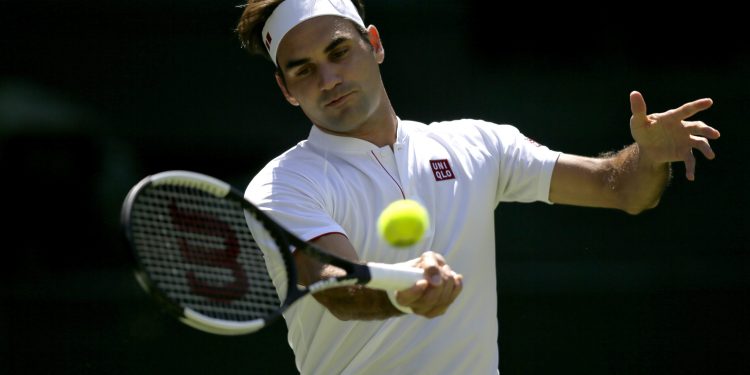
(403, 222)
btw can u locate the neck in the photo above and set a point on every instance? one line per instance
(379, 129)
(382, 131)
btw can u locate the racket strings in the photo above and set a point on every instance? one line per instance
(198, 250)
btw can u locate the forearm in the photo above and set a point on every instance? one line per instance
(357, 303)
(635, 179)
(624, 180)
(354, 302)
(429, 297)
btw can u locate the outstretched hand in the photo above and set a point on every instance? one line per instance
(668, 137)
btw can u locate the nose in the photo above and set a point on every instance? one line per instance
(329, 77)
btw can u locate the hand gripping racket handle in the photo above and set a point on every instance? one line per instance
(393, 276)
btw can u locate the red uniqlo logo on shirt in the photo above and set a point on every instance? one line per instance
(441, 169)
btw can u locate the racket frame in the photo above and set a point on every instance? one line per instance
(286, 241)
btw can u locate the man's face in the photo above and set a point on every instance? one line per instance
(332, 73)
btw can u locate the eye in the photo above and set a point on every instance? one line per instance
(302, 71)
(339, 53)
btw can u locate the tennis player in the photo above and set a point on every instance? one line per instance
(360, 156)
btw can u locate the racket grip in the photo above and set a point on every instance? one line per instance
(393, 276)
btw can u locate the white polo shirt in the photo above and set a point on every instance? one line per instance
(460, 171)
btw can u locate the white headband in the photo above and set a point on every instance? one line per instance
(291, 13)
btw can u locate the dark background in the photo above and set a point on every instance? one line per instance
(96, 95)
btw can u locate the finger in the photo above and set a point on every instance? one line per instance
(687, 110)
(431, 257)
(449, 295)
(436, 312)
(423, 307)
(440, 305)
(690, 166)
(448, 285)
(700, 128)
(701, 144)
(444, 295)
(438, 257)
(434, 298)
(432, 295)
(431, 265)
(458, 282)
(408, 297)
(637, 105)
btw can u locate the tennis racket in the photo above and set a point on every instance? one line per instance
(207, 254)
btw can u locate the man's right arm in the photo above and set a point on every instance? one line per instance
(430, 297)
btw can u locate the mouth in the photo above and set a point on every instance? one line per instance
(338, 99)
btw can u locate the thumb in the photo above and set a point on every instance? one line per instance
(637, 105)
(432, 271)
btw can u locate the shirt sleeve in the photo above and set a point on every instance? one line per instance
(293, 201)
(525, 166)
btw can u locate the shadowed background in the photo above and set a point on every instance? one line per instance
(96, 95)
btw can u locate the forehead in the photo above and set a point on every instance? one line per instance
(313, 36)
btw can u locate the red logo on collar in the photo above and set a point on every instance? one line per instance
(442, 170)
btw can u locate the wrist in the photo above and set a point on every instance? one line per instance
(647, 160)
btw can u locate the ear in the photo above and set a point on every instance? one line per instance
(287, 95)
(376, 43)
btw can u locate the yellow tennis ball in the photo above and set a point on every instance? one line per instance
(403, 223)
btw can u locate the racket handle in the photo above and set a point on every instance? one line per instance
(393, 276)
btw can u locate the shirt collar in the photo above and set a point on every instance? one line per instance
(349, 145)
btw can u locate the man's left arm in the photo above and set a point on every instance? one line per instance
(634, 178)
